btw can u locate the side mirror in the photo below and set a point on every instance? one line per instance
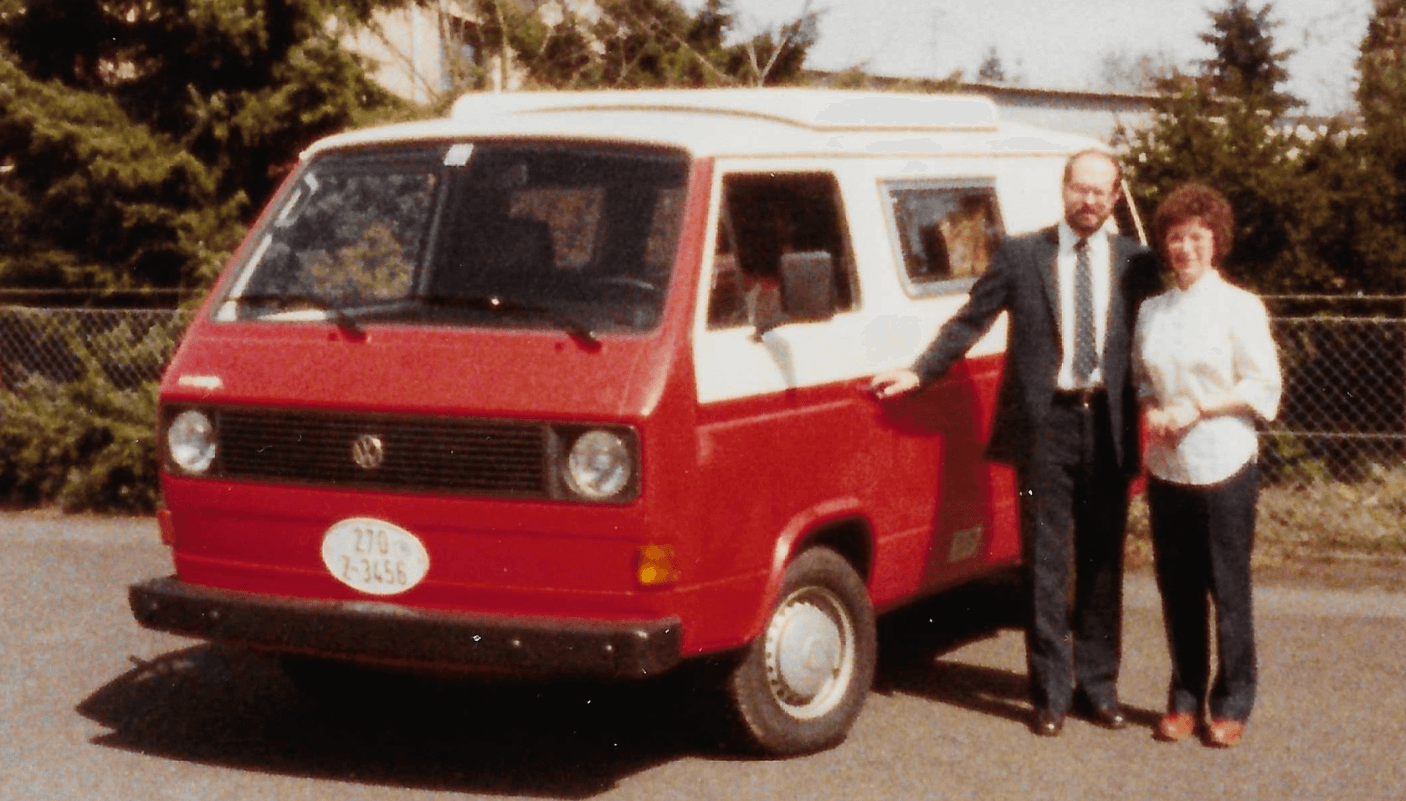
(808, 286)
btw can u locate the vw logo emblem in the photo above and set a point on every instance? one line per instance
(368, 452)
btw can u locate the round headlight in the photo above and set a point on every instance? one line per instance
(599, 465)
(191, 441)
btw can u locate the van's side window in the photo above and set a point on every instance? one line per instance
(776, 228)
(946, 232)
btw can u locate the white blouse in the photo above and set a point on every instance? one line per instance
(1196, 344)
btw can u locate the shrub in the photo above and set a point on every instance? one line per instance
(85, 441)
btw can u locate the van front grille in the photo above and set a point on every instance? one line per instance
(474, 457)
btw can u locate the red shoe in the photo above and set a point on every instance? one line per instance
(1224, 732)
(1175, 727)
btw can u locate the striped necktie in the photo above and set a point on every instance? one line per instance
(1085, 351)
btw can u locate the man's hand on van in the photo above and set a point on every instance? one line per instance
(894, 383)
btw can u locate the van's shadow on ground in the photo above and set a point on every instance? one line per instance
(229, 707)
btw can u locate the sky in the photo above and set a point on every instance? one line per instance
(1062, 44)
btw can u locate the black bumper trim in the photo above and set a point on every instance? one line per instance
(375, 631)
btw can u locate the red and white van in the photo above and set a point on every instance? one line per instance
(575, 384)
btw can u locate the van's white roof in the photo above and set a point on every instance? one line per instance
(737, 122)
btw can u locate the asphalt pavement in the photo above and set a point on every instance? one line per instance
(94, 707)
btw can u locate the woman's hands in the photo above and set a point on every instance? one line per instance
(1170, 422)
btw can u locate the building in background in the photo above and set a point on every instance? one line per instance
(1095, 114)
(421, 52)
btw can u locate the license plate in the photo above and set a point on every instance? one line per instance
(374, 556)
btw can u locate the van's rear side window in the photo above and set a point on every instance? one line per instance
(947, 232)
(505, 234)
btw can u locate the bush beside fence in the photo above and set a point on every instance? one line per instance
(78, 405)
(78, 408)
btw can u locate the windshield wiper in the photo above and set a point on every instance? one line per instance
(339, 315)
(503, 305)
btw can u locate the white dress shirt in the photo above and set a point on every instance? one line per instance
(1192, 346)
(1100, 259)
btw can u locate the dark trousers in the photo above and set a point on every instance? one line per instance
(1073, 515)
(1201, 539)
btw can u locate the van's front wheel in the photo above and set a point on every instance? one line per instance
(801, 684)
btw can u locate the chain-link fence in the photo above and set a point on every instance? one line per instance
(50, 347)
(78, 405)
(1334, 461)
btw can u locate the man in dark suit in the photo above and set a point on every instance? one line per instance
(1066, 419)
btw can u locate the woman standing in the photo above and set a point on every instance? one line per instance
(1206, 368)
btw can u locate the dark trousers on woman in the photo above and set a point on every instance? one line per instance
(1073, 511)
(1201, 539)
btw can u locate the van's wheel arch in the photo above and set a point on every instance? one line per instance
(800, 685)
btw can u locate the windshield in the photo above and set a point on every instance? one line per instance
(545, 235)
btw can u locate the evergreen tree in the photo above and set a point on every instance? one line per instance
(1379, 215)
(1226, 128)
(1246, 65)
(92, 199)
(991, 69)
(139, 134)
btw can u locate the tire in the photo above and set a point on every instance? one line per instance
(800, 685)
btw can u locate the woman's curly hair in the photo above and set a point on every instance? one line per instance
(1196, 201)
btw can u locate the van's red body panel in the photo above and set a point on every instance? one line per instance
(424, 370)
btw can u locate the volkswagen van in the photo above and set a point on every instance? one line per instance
(575, 384)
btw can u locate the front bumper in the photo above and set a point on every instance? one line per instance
(379, 632)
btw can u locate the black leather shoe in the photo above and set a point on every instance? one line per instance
(1046, 723)
(1109, 717)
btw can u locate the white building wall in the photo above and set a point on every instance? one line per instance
(406, 47)
(410, 49)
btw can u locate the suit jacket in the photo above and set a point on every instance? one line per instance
(1022, 280)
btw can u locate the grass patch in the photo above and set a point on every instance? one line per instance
(1317, 517)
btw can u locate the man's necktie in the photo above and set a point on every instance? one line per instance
(1085, 351)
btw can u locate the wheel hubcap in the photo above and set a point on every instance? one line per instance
(809, 652)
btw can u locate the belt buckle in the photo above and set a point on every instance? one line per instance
(1083, 398)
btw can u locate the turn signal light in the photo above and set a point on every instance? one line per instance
(167, 527)
(656, 566)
